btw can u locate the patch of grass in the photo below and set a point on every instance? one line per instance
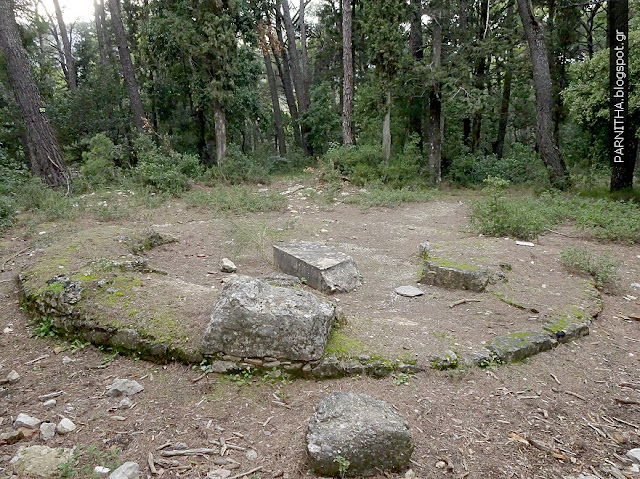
(526, 217)
(256, 235)
(388, 197)
(236, 199)
(602, 268)
(86, 458)
(110, 212)
(343, 345)
(43, 328)
(400, 379)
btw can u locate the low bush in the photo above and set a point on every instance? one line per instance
(99, 168)
(602, 268)
(388, 197)
(236, 199)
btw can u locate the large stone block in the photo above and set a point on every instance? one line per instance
(521, 345)
(355, 434)
(324, 268)
(254, 319)
(448, 274)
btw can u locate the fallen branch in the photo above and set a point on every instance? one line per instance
(39, 358)
(626, 423)
(570, 393)
(555, 379)
(200, 377)
(152, 466)
(2, 270)
(463, 301)
(630, 386)
(626, 401)
(189, 452)
(558, 233)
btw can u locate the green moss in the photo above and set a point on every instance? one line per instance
(446, 263)
(343, 345)
(55, 287)
(558, 325)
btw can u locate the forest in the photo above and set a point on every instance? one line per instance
(396, 93)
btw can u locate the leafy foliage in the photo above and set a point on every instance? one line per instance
(602, 268)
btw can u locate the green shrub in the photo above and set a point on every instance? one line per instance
(388, 197)
(602, 268)
(163, 171)
(236, 199)
(236, 167)
(7, 212)
(99, 168)
(610, 220)
(49, 204)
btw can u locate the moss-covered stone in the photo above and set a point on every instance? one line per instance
(453, 275)
(520, 345)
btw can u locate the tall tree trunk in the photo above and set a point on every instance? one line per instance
(220, 125)
(99, 32)
(347, 65)
(417, 105)
(476, 128)
(137, 110)
(435, 105)
(273, 89)
(386, 128)
(284, 71)
(42, 146)
(547, 145)
(463, 15)
(304, 57)
(498, 146)
(297, 71)
(71, 75)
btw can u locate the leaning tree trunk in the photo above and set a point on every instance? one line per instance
(435, 106)
(347, 63)
(71, 75)
(547, 144)
(41, 144)
(137, 110)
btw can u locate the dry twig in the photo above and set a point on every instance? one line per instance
(463, 301)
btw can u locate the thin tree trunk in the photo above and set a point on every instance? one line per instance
(71, 75)
(42, 146)
(547, 145)
(99, 33)
(273, 89)
(137, 110)
(284, 71)
(476, 128)
(435, 105)
(220, 125)
(418, 104)
(304, 57)
(498, 146)
(386, 128)
(347, 64)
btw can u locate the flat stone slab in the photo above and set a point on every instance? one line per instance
(567, 329)
(521, 345)
(409, 291)
(448, 274)
(324, 268)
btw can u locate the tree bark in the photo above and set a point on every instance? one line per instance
(435, 105)
(347, 65)
(273, 90)
(71, 75)
(100, 32)
(386, 128)
(41, 144)
(547, 144)
(498, 146)
(220, 125)
(137, 110)
(418, 103)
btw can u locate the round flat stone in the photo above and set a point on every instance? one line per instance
(409, 291)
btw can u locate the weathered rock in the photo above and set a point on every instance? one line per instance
(49, 403)
(47, 430)
(447, 360)
(409, 291)
(124, 387)
(281, 279)
(13, 376)
(425, 248)
(520, 345)
(40, 461)
(24, 420)
(125, 403)
(634, 455)
(355, 434)
(324, 268)
(11, 437)
(254, 319)
(448, 274)
(228, 266)
(65, 426)
(129, 470)
(567, 329)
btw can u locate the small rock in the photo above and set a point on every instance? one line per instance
(125, 403)
(50, 403)
(24, 420)
(634, 455)
(13, 376)
(180, 446)
(66, 360)
(251, 455)
(65, 426)
(441, 464)
(218, 474)
(113, 290)
(47, 430)
(129, 470)
(409, 474)
(635, 285)
(425, 247)
(324, 230)
(40, 461)
(124, 387)
(409, 291)
(101, 470)
(228, 266)
(11, 437)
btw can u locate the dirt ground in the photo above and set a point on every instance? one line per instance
(571, 410)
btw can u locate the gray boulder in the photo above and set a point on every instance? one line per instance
(253, 319)
(40, 461)
(124, 387)
(452, 275)
(324, 268)
(129, 470)
(355, 434)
